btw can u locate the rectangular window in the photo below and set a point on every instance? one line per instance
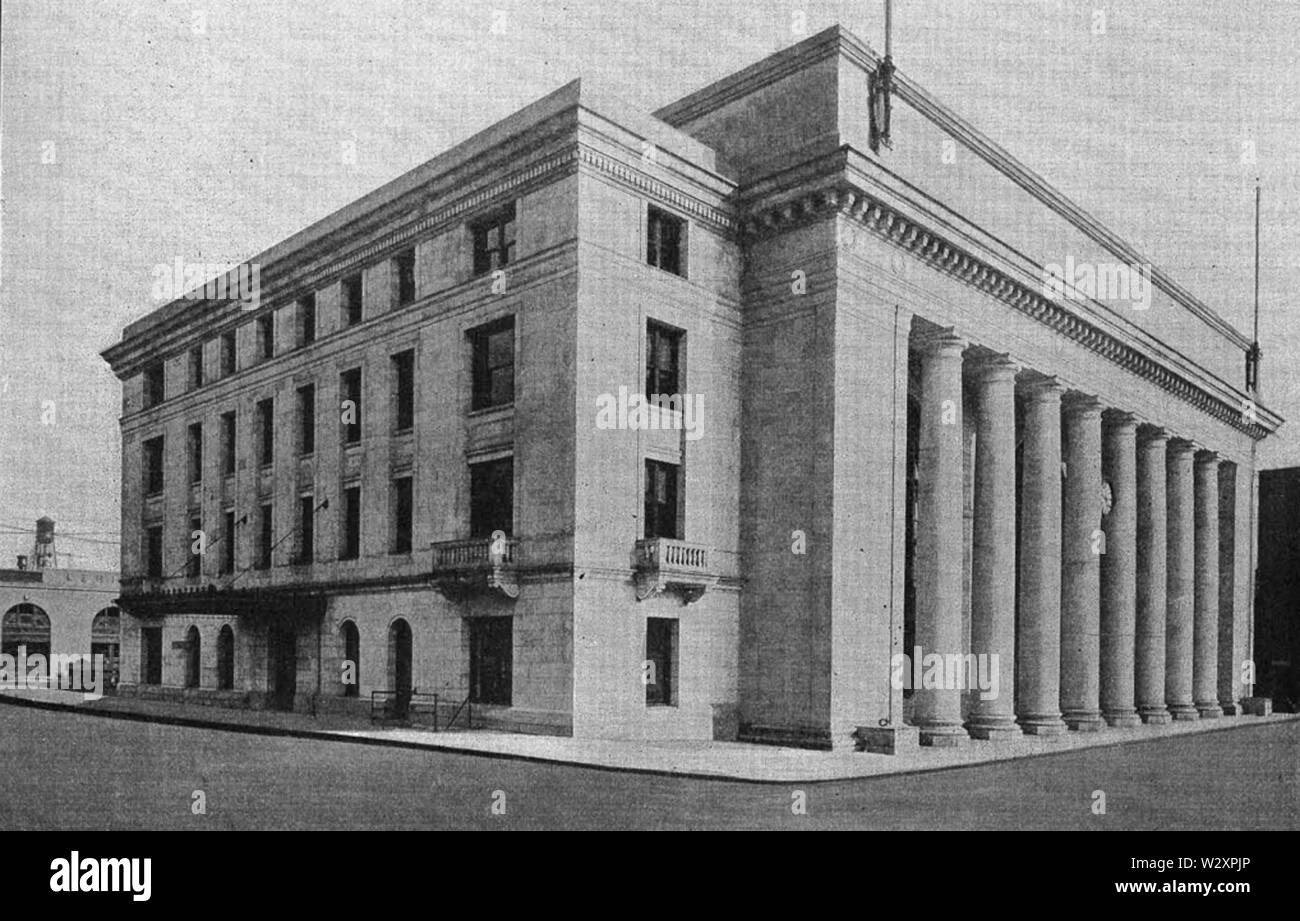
(266, 431)
(661, 500)
(400, 505)
(153, 466)
(228, 545)
(266, 336)
(307, 419)
(266, 537)
(404, 271)
(195, 452)
(491, 497)
(494, 241)
(307, 319)
(306, 529)
(228, 443)
(155, 389)
(196, 367)
(151, 655)
(494, 363)
(665, 235)
(350, 545)
(194, 563)
(351, 306)
(661, 654)
(350, 391)
(491, 660)
(662, 359)
(403, 367)
(228, 353)
(153, 549)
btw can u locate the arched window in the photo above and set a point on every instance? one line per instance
(226, 659)
(105, 642)
(25, 625)
(193, 657)
(351, 654)
(399, 665)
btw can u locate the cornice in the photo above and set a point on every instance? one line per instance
(932, 248)
(640, 181)
(283, 282)
(837, 40)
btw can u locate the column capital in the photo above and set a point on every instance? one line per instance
(1149, 433)
(1119, 418)
(1181, 445)
(1041, 388)
(993, 366)
(1076, 402)
(940, 341)
(1207, 458)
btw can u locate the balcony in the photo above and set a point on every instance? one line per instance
(662, 564)
(480, 564)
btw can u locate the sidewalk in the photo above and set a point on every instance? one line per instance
(703, 759)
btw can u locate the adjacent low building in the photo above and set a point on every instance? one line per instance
(903, 403)
(47, 610)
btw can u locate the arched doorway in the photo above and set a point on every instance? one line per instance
(351, 653)
(282, 665)
(25, 625)
(193, 658)
(226, 659)
(399, 666)
(105, 642)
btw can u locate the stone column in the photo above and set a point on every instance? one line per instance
(1038, 665)
(1119, 570)
(1152, 546)
(1179, 583)
(993, 548)
(1081, 538)
(939, 542)
(1205, 638)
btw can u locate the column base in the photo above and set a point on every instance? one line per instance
(1257, 706)
(1229, 708)
(946, 735)
(1155, 716)
(1184, 713)
(1041, 725)
(994, 730)
(1084, 720)
(1122, 719)
(1210, 711)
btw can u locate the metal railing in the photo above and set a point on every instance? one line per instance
(468, 706)
(402, 705)
(389, 706)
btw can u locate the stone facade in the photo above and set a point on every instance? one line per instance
(902, 439)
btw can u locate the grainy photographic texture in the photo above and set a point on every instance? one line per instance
(649, 415)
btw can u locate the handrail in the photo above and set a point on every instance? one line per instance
(469, 715)
(381, 704)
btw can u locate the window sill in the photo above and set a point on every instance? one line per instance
(488, 410)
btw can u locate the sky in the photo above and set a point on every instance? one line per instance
(133, 134)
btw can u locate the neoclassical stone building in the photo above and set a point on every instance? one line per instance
(893, 427)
